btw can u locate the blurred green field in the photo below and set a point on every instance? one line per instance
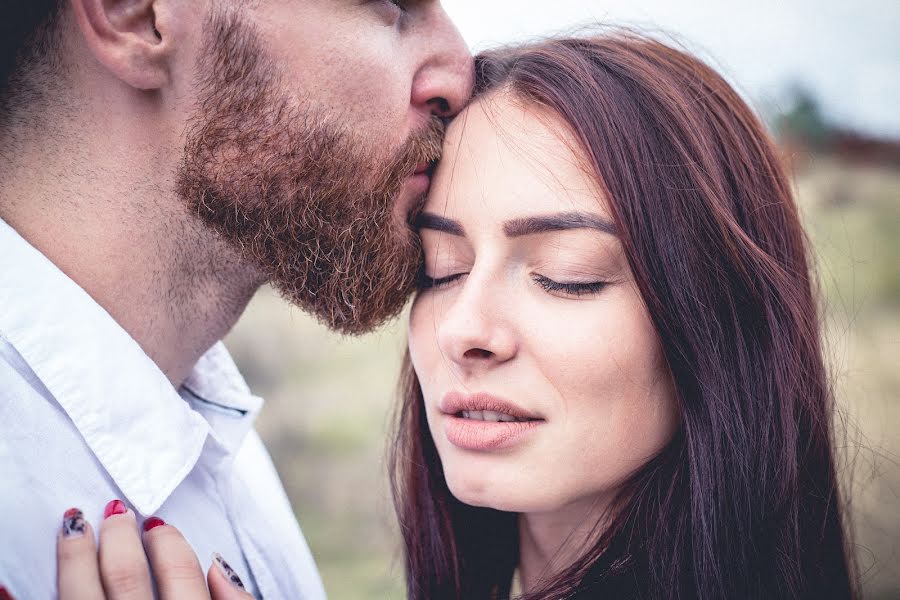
(328, 398)
(852, 215)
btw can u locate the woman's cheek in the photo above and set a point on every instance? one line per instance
(609, 373)
(572, 341)
(421, 339)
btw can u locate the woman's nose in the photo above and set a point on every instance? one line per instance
(474, 329)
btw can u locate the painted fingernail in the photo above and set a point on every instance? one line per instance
(226, 570)
(4, 594)
(115, 507)
(73, 523)
(153, 522)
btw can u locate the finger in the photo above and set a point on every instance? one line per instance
(175, 567)
(224, 583)
(77, 573)
(123, 566)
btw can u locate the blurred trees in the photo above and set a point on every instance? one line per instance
(802, 130)
(802, 124)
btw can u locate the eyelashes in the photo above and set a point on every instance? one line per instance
(571, 289)
(555, 287)
(426, 283)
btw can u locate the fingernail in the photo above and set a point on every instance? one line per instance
(153, 522)
(115, 507)
(73, 523)
(226, 570)
(5, 595)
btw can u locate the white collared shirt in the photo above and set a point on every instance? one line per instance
(87, 417)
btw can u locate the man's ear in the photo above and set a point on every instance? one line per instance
(128, 38)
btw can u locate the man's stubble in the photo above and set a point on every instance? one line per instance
(299, 192)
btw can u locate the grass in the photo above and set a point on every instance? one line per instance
(853, 219)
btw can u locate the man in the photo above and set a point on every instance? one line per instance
(161, 160)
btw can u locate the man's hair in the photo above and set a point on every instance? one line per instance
(29, 43)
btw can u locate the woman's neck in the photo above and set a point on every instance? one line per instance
(550, 542)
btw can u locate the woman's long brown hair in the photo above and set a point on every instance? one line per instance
(744, 502)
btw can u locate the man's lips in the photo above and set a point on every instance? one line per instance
(456, 403)
(425, 168)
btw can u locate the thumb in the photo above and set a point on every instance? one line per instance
(223, 581)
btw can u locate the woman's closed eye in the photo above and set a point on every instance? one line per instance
(426, 282)
(577, 289)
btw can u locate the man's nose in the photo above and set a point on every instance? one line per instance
(443, 83)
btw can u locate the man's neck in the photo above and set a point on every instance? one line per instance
(111, 221)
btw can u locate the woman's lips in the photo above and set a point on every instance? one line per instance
(470, 434)
(455, 402)
(485, 422)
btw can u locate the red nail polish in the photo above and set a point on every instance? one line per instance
(70, 513)
(115, 507)
(153, 522)
(5, 595)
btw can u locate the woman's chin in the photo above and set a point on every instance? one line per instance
(502, 496)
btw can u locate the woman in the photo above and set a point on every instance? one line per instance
(613, 257)
(614, 385)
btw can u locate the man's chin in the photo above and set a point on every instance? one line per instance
(355, 292)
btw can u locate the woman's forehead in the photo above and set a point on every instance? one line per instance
(504, 156)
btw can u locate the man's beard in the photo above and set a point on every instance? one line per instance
(307, 199)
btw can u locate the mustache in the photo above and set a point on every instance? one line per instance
(423, 146)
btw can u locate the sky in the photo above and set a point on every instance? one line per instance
(846, 53)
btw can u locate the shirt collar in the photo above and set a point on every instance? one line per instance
(146, 436)
(216, 389)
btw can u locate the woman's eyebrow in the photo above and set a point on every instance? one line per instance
(557, 222)
(523, 226)
(427, 220)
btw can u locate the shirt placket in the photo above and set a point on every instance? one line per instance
(263, 557)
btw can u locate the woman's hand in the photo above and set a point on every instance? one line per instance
(121, 570)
